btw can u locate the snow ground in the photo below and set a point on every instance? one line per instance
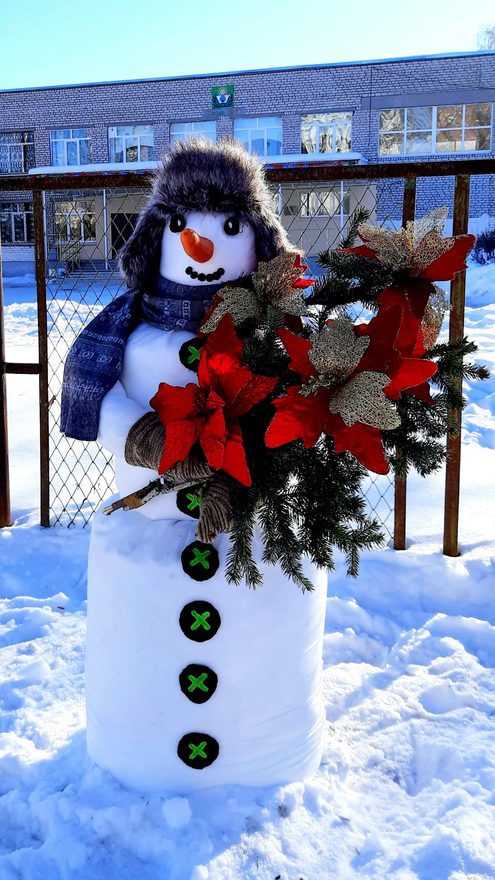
(406, 789)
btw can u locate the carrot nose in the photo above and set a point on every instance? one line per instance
(198, 248)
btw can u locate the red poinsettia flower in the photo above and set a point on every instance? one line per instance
(364, 392)
(302, 283)
(419, 255)
(209, 411)
(420, 250)
(441, 268)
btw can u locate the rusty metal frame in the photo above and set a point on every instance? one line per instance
(310, 172)
(456, 332)
(39, 250)
(400, 483)
(5, 515)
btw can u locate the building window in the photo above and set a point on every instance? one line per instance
(260, 135)
(17, 223)
(75, 221)
(131, 143)
(180, 131)
(452, 128)
(326, 133)
(70, 146)
(332, 202)
(16, 152)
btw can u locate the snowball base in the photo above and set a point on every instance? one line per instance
(267, 711)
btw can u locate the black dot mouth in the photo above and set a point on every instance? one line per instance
(201, 276)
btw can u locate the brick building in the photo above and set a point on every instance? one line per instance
(431, 107)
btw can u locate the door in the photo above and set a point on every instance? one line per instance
(121, 227)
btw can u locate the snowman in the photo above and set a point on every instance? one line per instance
(190, 681)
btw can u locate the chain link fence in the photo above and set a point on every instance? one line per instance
(84, 231)
(74, 226)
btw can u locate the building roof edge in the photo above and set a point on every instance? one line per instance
(322, 66)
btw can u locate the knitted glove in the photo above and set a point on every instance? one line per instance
(216, 508)
(189, 471)
(144, 448)
(145, 441)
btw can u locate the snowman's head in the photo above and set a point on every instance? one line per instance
(205, 248)
(210, 219)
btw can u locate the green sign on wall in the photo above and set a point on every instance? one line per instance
(222, 96)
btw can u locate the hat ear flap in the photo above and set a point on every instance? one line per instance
(139, 259)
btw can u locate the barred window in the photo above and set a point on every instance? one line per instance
(70, 146)
(326, 133)
(16, 152)
(75, 221)
(180, 131)
(261, 135)
(131, 143)
(17, 223)
(450, 128)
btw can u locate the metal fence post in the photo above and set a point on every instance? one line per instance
(40, 262)
(5, 515)
(456, 332)
(400, 484)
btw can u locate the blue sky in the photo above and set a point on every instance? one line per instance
(43, 42)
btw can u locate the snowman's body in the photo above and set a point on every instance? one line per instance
(249, 710)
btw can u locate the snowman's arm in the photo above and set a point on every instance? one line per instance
(118, 414)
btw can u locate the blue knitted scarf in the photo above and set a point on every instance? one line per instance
(94, 362)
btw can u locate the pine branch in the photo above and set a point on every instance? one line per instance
(240, 561)
(359, 216)
(350, 279)
(281, 544)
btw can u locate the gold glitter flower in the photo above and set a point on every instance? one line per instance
(274, 288)
(419, 250)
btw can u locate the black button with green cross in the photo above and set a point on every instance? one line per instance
(198, 750)
(188, 501)
(198, 682)
(200, 561)
(199, 620)
(190, 352)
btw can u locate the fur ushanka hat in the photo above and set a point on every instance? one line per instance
(198, 175)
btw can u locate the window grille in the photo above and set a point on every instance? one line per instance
(17, 223)
(16, 152)
(75, 221)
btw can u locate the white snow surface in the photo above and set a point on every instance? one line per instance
(406, 788)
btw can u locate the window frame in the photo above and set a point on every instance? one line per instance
(70, 140)
(134, 135)
(257, 128)
(435, 129)
(57, 212)
(326, 125)
(26, 209)
(342, 190)
(23, 145)
(195, 129)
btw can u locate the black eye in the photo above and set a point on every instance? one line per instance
(232, 226)
(177, 223)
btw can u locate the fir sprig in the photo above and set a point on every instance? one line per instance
(309, 502)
